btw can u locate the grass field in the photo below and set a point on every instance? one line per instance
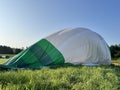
(3, 60)
(62, 78)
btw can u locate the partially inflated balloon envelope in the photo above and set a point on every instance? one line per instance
(74, 45)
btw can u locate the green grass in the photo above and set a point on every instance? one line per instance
(3, 60)
(116, 60)
(62, 78)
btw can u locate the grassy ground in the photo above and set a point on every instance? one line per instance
(3, 60)
(116, 60)
(62, 78)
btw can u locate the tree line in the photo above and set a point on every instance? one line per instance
(114, 49)
(9, 50)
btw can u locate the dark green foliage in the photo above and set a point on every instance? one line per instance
(115, 51)
(5, 50)
(9, 50)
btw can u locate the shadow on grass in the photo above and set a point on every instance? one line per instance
(66, 65)
(80, 65)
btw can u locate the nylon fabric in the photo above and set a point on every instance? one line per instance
(81, 46)
(41, 54)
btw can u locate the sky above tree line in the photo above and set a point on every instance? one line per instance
(23, 22)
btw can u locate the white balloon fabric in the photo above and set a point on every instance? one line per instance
(81, 46)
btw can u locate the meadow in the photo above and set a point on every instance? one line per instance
(62, 78)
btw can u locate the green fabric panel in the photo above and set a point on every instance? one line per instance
(12, 60)
(42, 53)
(16, 60)
(28, 60)
(53, 52)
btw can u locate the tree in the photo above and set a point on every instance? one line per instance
(9, 50)
(115, 51)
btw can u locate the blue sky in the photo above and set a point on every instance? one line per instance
(23, 22)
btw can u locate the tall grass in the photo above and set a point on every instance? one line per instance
(62, 78)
